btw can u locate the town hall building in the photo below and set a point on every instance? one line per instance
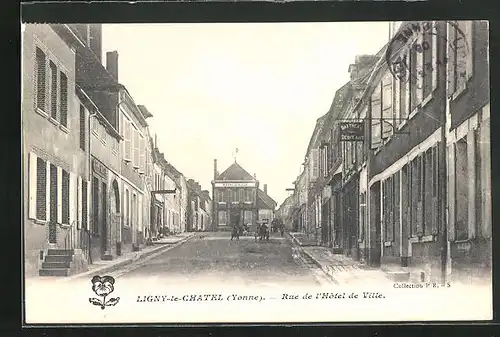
(238, 200)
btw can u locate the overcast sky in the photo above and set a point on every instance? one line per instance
(257, 87)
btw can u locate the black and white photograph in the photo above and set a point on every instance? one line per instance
(256, 172)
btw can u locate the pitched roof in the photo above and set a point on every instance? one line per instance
(235, 172)
(265, 201)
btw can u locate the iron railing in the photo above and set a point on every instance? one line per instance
(77, 236)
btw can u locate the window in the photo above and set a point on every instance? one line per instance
(387, 116)
(229, 195)
(63, 98)
(82, 128)
(406, 199)
(413, 78)
(53, 90)
(376, 111)
(314, 163)
(41, 189)
(40, 79)
(53, 193)
(388, 208)
(126, 217)
(84, 204)
(65, 197)
(242, 195)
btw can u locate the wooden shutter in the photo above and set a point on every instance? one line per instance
(73, 198)
(451, 192)
(79, 219)
(59, 194)
(47, 191)
(89, 189)
(420, 197)
(53, 90)
(65, 198)
(434, 60)
(40, 79)
(420, 72)
(32, 185)
(470, 36)
(451, 58)
(396, 205)
(387, 100)
(63, 94)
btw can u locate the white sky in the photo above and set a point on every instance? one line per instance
(258, 87)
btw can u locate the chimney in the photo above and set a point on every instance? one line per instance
(95, 42)
(215, 169)
(112, 63)
(265, 188)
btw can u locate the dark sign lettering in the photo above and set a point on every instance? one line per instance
(352, 132)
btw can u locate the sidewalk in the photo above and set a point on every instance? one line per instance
(102, 267)
(342, 270)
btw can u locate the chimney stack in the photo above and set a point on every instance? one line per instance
(112, 63)
(215, 169)
(95, 42)
(265, 188)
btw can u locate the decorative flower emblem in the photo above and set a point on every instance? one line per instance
(103, 286)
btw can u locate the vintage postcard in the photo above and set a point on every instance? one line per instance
(256, 172)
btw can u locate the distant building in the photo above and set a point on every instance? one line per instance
(238, 199)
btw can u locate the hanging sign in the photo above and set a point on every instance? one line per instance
(352, 132)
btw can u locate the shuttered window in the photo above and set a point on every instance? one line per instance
(136, 148)
(428, 61)
(404, 94)
(53, 193)
(65, 197)
(387, 113)
(142, 152)
(41, 189)
(82, 128)
(95, 206)
(376, 111)
(63, 80)
(414, 75)
(40, 64)
(53, 90)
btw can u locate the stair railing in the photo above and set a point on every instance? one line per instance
(86, 244)
(77, 236)
(69, 240)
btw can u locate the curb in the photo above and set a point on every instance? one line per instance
(144, 256)
(316, 262)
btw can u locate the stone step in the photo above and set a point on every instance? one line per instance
(61, 252)
(54, 272)
(58, 258)
(56, 265)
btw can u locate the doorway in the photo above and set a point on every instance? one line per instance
(104, 228)
(376, 243)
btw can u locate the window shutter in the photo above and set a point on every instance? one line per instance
(89, 188)
(40, 79)
(139, 222)
(64, 98)
(79, 200)
(59, 194)
(451, 193)
(419, 72)
(451, 58)
(470, 51)
(72, 198)
(434, 56)
(47, 191)
(32, 185)
(53, 90)
(376, 113)
(387, 113)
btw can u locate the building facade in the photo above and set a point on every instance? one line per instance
(53, 160)
(235, 197)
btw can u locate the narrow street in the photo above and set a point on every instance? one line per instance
(213, 258)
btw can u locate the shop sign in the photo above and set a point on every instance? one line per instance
(249, 184)
(352, 132)
(99, 168)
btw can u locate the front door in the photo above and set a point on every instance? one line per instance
(235, 217)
